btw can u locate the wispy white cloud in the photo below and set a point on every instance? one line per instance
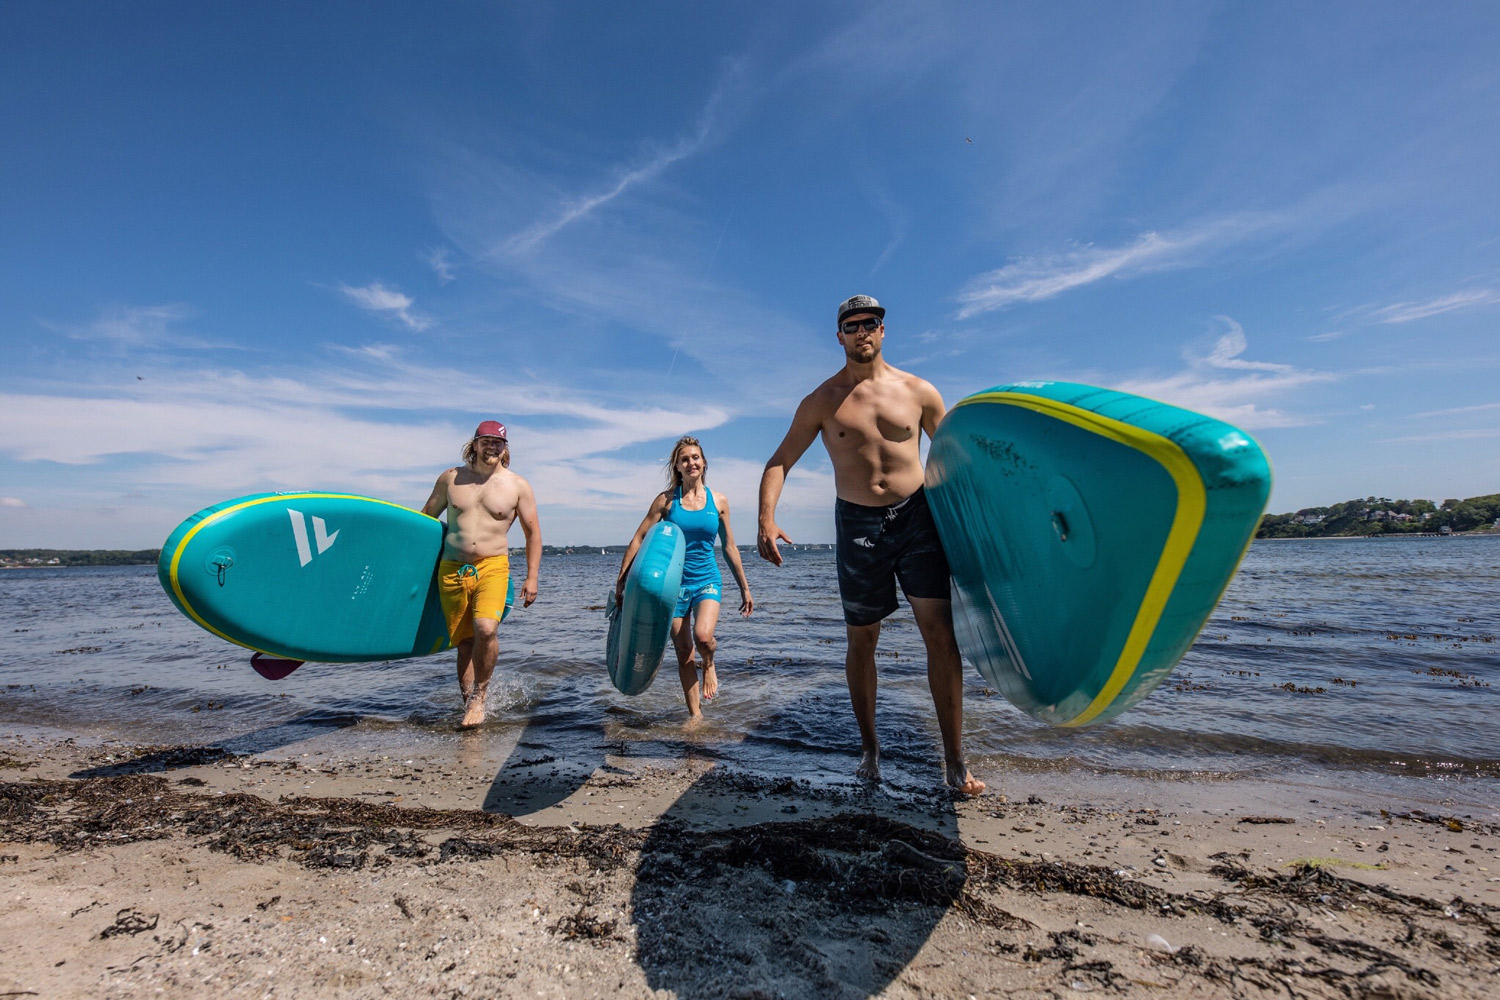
(1461, 434)
(1407, 312)
(1233, 388)
(895, 214)
(579, 207)
(131, 327)
(1037, 278)
(12, 502)
(655, 277)
(441, 261)
(1457, 410)
(377, 298)
(373, 423)
(632, 263)
(1228, 348)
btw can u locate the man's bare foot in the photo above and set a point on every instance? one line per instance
(869, 766)
(961, 781)
(710, 683)
(473, 710)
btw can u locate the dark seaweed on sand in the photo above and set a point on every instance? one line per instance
(848, 862)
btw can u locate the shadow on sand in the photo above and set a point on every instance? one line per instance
(153, 761)
(832, 905)
(533, 779)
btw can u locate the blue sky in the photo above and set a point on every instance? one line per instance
(250, 247)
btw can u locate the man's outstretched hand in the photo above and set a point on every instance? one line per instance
(766, 542)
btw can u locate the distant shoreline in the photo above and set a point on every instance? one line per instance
(80, 558)
(1383, 537)
(584, 550)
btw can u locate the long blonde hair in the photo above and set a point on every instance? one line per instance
(471, 450)
(674, 478)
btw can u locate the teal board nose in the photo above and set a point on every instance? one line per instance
(310, 576)
(1090, 533)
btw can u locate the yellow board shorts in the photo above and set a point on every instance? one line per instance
(472, 590)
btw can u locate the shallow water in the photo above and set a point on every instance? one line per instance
(1356, 659)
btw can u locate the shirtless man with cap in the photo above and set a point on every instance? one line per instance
(871, 417)
(482, 498)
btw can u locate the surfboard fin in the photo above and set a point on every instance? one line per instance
(273, 668)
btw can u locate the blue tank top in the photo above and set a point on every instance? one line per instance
(699, 529)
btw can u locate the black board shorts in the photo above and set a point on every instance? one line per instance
(878, 546)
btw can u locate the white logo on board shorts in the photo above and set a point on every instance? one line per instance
(320, 535)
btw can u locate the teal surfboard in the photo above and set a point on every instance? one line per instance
(326, 577)
(641, 624)
(1090, 533)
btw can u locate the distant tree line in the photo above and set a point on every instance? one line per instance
(14, 558)
(78, 557)
(1383, 516)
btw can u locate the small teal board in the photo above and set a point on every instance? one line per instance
(1090, 533)
(324, 577)
(640, 627)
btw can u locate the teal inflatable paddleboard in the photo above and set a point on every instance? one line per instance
(641, 624)
(1090, 534)
(311, 576)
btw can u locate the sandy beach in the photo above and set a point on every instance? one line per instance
(181, 871)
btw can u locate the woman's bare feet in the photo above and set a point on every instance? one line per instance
(710, 682)
(869, 766)
(961, 781)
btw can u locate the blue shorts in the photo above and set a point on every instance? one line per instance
(687, 597)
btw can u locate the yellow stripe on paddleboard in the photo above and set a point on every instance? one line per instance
(273, 498)
(1186, 523)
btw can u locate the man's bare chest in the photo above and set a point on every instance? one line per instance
(492, 498)
(864, 418)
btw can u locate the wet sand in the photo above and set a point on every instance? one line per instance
(130, 870)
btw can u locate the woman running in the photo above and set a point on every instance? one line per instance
(703, 515)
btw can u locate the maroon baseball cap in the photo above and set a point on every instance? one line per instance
(491, 429)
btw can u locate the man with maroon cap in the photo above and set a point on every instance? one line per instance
(482, 498)
(871, 417)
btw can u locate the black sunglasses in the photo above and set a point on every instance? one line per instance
(857, 325)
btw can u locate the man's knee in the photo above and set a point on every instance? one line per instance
(486, 628)
(941, 641)
(862, 638)
(934, 620)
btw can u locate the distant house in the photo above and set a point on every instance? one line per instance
(1317, 519)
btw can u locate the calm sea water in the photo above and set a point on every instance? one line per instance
(1358, 658)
